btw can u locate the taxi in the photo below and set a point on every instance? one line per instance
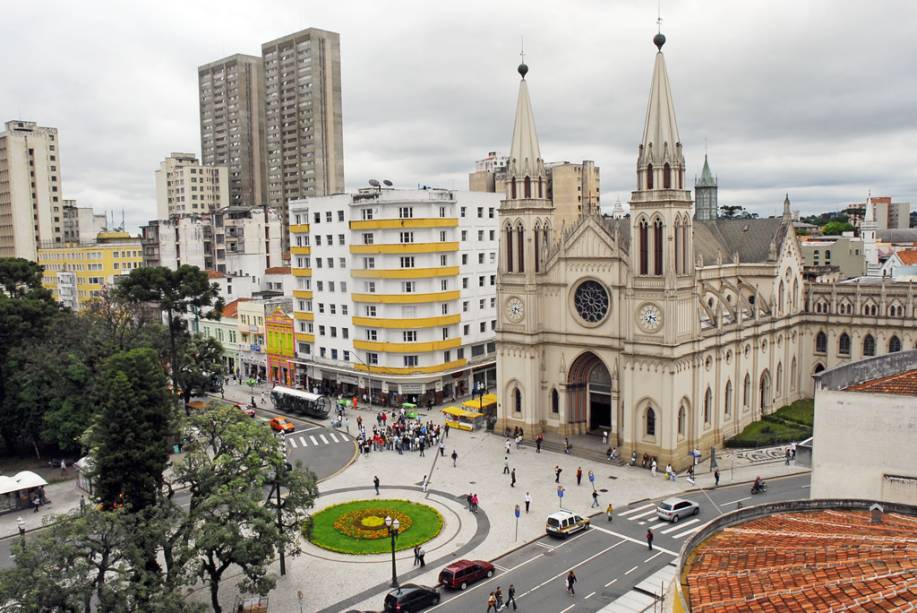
(282, 424)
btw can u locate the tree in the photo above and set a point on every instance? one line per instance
(735, 211)
(134, 427)
(834, 228)
(228, 469)
(201, 360)
(175, 293)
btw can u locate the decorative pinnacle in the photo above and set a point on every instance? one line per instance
(523, 69)
(659, 41)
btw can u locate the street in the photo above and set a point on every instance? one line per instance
(610, 558)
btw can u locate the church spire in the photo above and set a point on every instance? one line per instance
(787, 213)
(524, 154)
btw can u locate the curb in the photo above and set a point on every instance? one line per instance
(786, 476)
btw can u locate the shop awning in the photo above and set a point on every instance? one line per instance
(488, 400)
(24, 480)
(457, 412)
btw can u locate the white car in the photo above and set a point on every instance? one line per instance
(673, 509)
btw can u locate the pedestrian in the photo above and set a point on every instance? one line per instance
(653, 468)
(446, 429)
(21, 523)
(442, 448)
(63, 467)
(604, 438)
(421, 447)
(420, 554)
(571, 580)
(787, 456)
(566, 445)
(691, 474)
(609, 511)
(579, 474)
(376, 483)
(508, 445)
(425, 483)
(649, 538)
(595, 498)
(470, 506)
(82, 505)
(592, 479)
(538, 440)
(511, 596)
(416, 555)
(512, 477)
(474, 502)
(557, 471)
(716, 478)
(498, 594)
(454, 457)
(491, 602)
(505, 465)
(36, 502)
(528, 501)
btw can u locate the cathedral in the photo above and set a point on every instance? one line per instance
(670, 329)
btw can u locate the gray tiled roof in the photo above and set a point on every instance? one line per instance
(898, 236)
(750, 238)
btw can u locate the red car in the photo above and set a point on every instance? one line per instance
(460, 574)
(248, 409)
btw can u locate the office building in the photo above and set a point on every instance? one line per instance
(888, 215)
(232, 124)
(847, 253)
(395, 292)
(303, 125)
(185, 187)
(30, 189)
(81, 223)
(77, 273)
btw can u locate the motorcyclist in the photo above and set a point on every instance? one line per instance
(759, 483)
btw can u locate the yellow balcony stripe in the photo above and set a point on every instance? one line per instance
(302, 293)
(420, 347)
(426, 222)
(405, 248)
(302, 272)
(307, 338)
(405, 273)
(406, 298)
(304, 316)
(410, 370)
(299, 228)
(300, 250)
(407, 324)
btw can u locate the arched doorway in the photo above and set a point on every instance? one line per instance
(765, 392)
(589, 389)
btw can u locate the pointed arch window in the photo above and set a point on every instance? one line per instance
(681, 420)
(657, 247)
(708, 402)
(555, 402)
(667, 176)
(644, 248)
(821, 343)
(843, 344)
(649, 176)
(727, 408)
(678, 255)
(869, 345)
(894, 344)
(536, 244)
(650, 421)
(540, 187)
(794, 374)
(520, 248)
(528, 187)
(746, 391)
(512, 188)
(781, 302)
(684, 246)
(517, 400)
(779, 390)
(509, 249)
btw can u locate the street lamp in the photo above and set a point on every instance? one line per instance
(393, 525)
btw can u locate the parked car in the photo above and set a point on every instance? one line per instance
(282, 424)
(411, 597)
(673, 509)
(563, 523)
(247, 409)
(460, 574)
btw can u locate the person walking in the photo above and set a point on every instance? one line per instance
(716, 478)
(498, 594)
(505, 465)
(454, 457)
(512, 477)
(446, 430)
(63, 467)
(376, 484)
(421, 448)
(567, 445)
(653, 468)
(557, 471)
(416, 555)
(571, 580)
(508, 446)
(528, 501)
(420, 554)
(442, 448)
(474, 502)
(511, 596)
(610, 511)
(579, 474)
(787, 456)
(491, 602)
(538, 440)
(21, 523)
(595, 498)
(649, 538)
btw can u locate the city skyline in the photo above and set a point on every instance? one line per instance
(421, 104)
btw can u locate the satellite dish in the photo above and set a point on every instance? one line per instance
(387, 183)
(374, 183)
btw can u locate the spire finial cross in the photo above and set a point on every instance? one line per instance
(659, 17)
(522, 48)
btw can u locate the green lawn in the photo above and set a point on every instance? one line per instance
(426, 524)
(791, 423)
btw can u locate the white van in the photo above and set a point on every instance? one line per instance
(563, 523)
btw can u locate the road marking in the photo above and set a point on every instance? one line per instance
(548, 547)
(590, 596)
(312, 438)
(642, 515)
(739, 500)
(633, 569)
(311, 429)
(610, 582)
(500, 568)
(686, 532)
(333, 437)
(651, 557)
(302, 441)
(568, 608)
(292, 442)
(633, 540)
(628, 512)
(562, 573)
(805, 487)
(680, 526)
(324, 440)
(486, 581)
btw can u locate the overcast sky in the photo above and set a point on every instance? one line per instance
(814, 98)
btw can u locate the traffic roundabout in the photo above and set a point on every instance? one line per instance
(362, 527)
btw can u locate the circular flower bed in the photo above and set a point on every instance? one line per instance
(358, 527)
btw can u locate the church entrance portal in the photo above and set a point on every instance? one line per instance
(589, 389)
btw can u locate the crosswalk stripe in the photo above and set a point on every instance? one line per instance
(629, 511)
(642, 515)
(681, 525)
(292, 442)
(333, 437)
(324, 440)
(302, 441)
(312, 438)
(686, 532)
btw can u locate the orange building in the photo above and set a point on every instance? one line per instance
(279, 331)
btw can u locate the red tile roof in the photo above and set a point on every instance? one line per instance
(213, 274)
(278, 270)
(806, 561)
(908, 257)
(901, 384)
(232, 309)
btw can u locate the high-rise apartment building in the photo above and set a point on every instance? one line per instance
(303, 125)
(81, 223)
(30, 189)
(888, 215)
(395, 292)
(232, 124)
(184, 186)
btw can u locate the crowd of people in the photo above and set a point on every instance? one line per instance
(394, 431)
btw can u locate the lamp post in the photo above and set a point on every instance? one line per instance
(369, 376)
(393, 525)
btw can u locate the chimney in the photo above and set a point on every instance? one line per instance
(875, 513)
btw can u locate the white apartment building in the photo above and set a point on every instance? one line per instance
(395, 292)
(185, 186)
(30, 189)
(81, 223)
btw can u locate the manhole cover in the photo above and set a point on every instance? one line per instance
(603, 490)
(612, 477)
(473, 482)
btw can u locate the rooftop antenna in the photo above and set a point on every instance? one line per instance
(659, 18)
(522, 48)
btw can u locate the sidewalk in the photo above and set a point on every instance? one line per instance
(63, 496)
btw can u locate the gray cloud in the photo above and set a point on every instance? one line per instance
(812, 98)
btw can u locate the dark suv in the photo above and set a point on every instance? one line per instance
(463, 572)
(411, 597)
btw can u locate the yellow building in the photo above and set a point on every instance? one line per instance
(76, 273)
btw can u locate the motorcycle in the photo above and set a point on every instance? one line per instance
(759, 488)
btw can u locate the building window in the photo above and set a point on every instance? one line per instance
(367, 214)
(517, 400)
(650, 421)
(821, 343)
(746, 391)
(869, 345)
(407, 237)
(681, 420)
(407, 262)
(405, 212)
(372, 358)
(410, 360)
(708, 400)
(367, 238)
(843, 344)
(555, 402)
(409, 336)
(894, 345)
